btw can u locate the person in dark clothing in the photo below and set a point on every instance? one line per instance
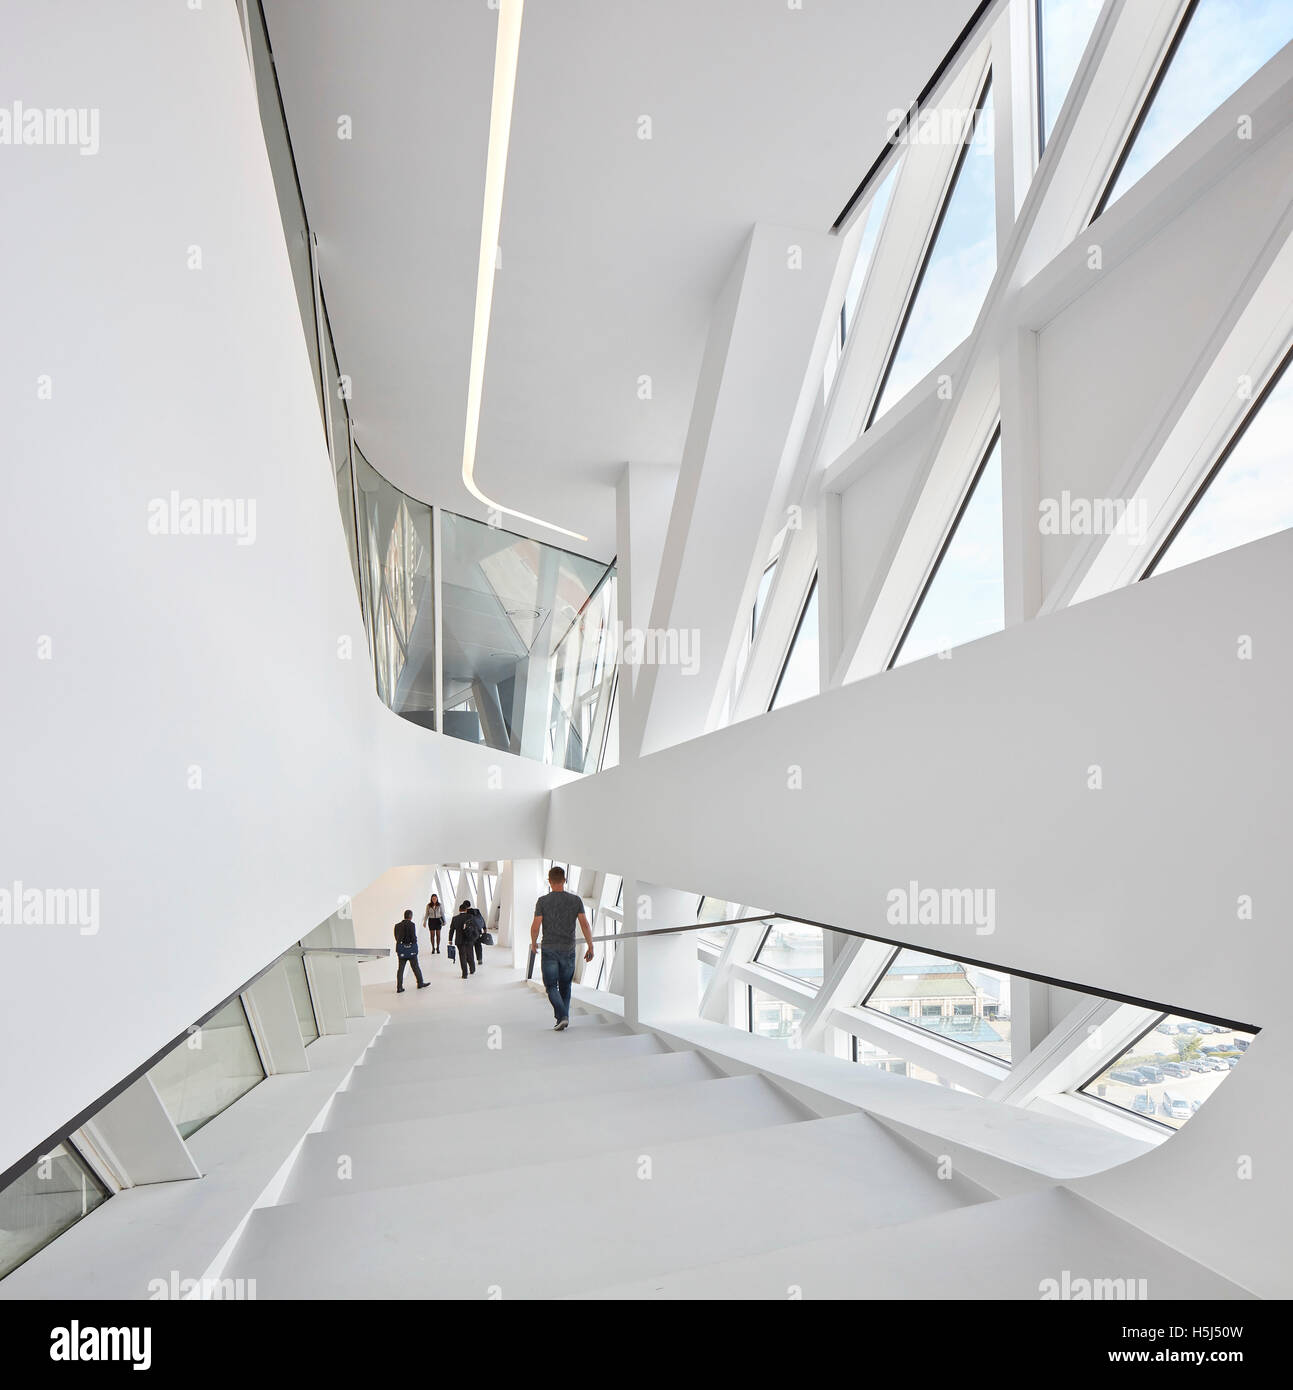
(481, 929)
(406, 948)
(462, 936)
(434, 922)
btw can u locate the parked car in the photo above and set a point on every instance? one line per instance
(1187, 1028)
(1196, 1105)
(1127, 1075)
(1216, 1047)
(1230, 1062)
(1176, 1107)
(1168, 1028)
(1150, 1073)
(1216, 1064)
(1175, 1069)
(1242, 1044)
(1198, 1064)
(1143, 1104)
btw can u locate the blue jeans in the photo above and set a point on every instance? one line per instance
(558, 975)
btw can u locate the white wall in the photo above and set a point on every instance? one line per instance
(376, 910)
(170, 652)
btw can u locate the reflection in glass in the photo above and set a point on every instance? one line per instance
(209, 1071)
(1251, 494)
(800, 675)
(965, 597)
(528, 643)
(1168, 1072)
(965, 1004)
(771, 1017)
(883, 1059)
(715, 910)
(1064, 28)
(1224, 43)
(52, 1195)
(959, 268)
(793, 949)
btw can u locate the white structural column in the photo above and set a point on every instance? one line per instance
(503, 899)
(658, 973)
(527, 884)
(741, 448)
(643, 498)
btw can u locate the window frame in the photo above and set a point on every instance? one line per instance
(794, 637)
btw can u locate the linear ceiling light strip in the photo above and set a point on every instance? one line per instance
(500, 128)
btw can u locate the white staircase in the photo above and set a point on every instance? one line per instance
(477, 1153)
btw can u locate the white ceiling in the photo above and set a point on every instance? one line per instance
(613, 248)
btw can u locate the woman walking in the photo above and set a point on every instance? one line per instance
(434, 922)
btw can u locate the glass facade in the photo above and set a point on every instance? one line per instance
(1063, 28)
(960, 264)
(800, 673)
(1169, 1071)
(40, 1204)
(793, 949)
(1250, 495)
(771, 1017)
(299, 983)
(965, 596)
(1223, 43)
(210, 1070)
(964, 1004)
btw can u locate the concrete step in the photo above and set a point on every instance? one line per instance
(408, 1040)
(483, 1060)
(403, 1151)
(1003, 1249)
(552, 1229)
(453, 1094)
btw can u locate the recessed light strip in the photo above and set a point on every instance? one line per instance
(500, 129)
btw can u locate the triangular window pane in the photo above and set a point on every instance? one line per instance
(1223, 43)
(1251, 494)
(793, 949)
(954, 281)
(800, 676)
(866, 249)
(1064, 28)
(965, 596)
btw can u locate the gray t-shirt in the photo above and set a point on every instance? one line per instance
(560, 913)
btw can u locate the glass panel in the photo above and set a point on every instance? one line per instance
(800, 675)
(1064, 28)
(509, 605)
(771, 1017)
(959, 268)
(395, 550)
(52, 1195)
(715, 910)
(965, 596)
(291, 209)
(866, 249)
(1251, 495)
(299, 983)
(583, 683)
(209, 1071)
(793, 949)
(965, 1004)
(1224, 43)
(1168, 1072)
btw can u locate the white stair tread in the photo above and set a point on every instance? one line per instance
(399, 1041)
(448, 1093)
(1002, 1249)
(552, 1229)
(406, 1151)
(559, 1051)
